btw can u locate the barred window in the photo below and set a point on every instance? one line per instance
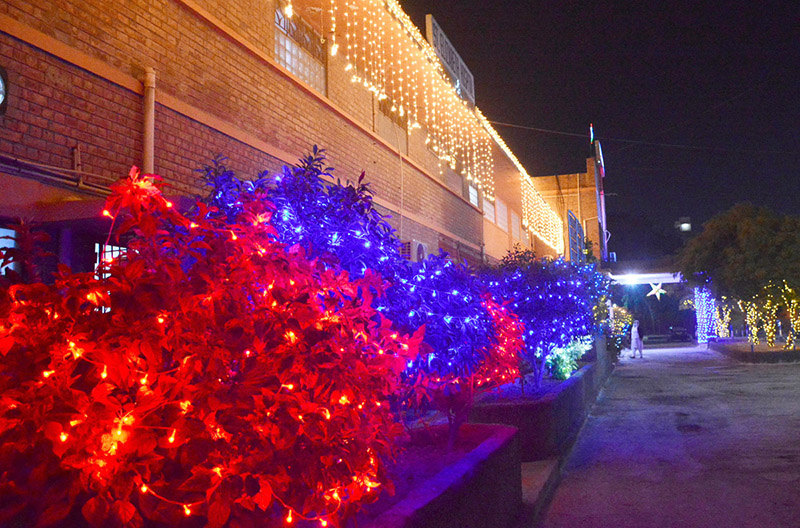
(299, 49)
(108, 253)
(502, 214)
(576, 236)
(473, 195)
(7, 241)
(488, 209)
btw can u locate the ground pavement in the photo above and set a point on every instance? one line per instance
(687, 438)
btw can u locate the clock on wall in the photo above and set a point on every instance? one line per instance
(3, 90)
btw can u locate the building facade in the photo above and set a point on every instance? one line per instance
(97, 86)
(579, 199)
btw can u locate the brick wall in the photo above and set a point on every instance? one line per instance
(226, 72)
(182, 143)
(576, 193)
(54, 107)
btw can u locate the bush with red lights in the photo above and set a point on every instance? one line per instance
(336, 221)
(212, 376)
(453, 393)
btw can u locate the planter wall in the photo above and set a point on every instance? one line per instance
(482, 490)
(549, 425)
(776, 356)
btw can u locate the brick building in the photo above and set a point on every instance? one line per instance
(97, 86)
(580, 200)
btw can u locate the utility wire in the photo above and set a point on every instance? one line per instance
(544, 130)
(645, 143)
(717, 106)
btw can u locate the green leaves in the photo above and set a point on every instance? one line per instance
(742, 250)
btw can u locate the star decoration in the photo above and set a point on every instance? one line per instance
(658, 291)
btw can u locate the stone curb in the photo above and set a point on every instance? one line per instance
(549, 428)
(537, 497)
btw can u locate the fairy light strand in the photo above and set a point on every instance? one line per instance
(389, 56)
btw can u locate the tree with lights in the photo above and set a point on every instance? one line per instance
(738, 252)
(333, 220)
(620, 322)
(749, 254)
(472, 342)
(213, 376)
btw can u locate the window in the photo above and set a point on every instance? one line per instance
(576, 247)
(516, 230)
(473, 195)
(390, 125)
(502, 214)
(7, 243)
(488, 209)
(108, 253)
(299, 49)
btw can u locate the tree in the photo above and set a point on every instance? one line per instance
(588, 251)
(337, 223)
(749, 254)
(739, 252)
(553, 299)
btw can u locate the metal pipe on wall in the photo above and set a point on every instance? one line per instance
(148, 154)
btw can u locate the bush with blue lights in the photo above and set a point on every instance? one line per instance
(337, 223)
(446, 298)
(552, 298)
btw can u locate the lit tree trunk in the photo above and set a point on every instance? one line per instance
(750, 320)
(539, 368)
(723, 320)
(769, 316)
(793, 308)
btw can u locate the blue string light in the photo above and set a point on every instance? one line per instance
(337, 223)
(705, 310)
(553, 299)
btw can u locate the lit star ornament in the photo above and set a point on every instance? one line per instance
(657, 290)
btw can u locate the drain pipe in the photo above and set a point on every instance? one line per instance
(148, 165)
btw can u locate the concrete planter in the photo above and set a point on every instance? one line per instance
(482, 490)
(776, 356)
(549, 425)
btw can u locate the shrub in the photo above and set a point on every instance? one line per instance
(620, 322)
(472, 343)
(552, 299)
(334, 221)
(562, 362)
(212, 376)
(338, 223)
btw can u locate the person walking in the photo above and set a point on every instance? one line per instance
(637, 342)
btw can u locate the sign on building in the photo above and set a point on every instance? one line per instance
(462, 78)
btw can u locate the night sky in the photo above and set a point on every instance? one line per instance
(707, 93)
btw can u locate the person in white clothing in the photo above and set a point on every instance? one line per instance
(636, 340)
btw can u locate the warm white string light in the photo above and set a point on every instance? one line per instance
(334, 45)
(387, 54)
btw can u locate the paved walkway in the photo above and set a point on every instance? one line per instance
(687, 438)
